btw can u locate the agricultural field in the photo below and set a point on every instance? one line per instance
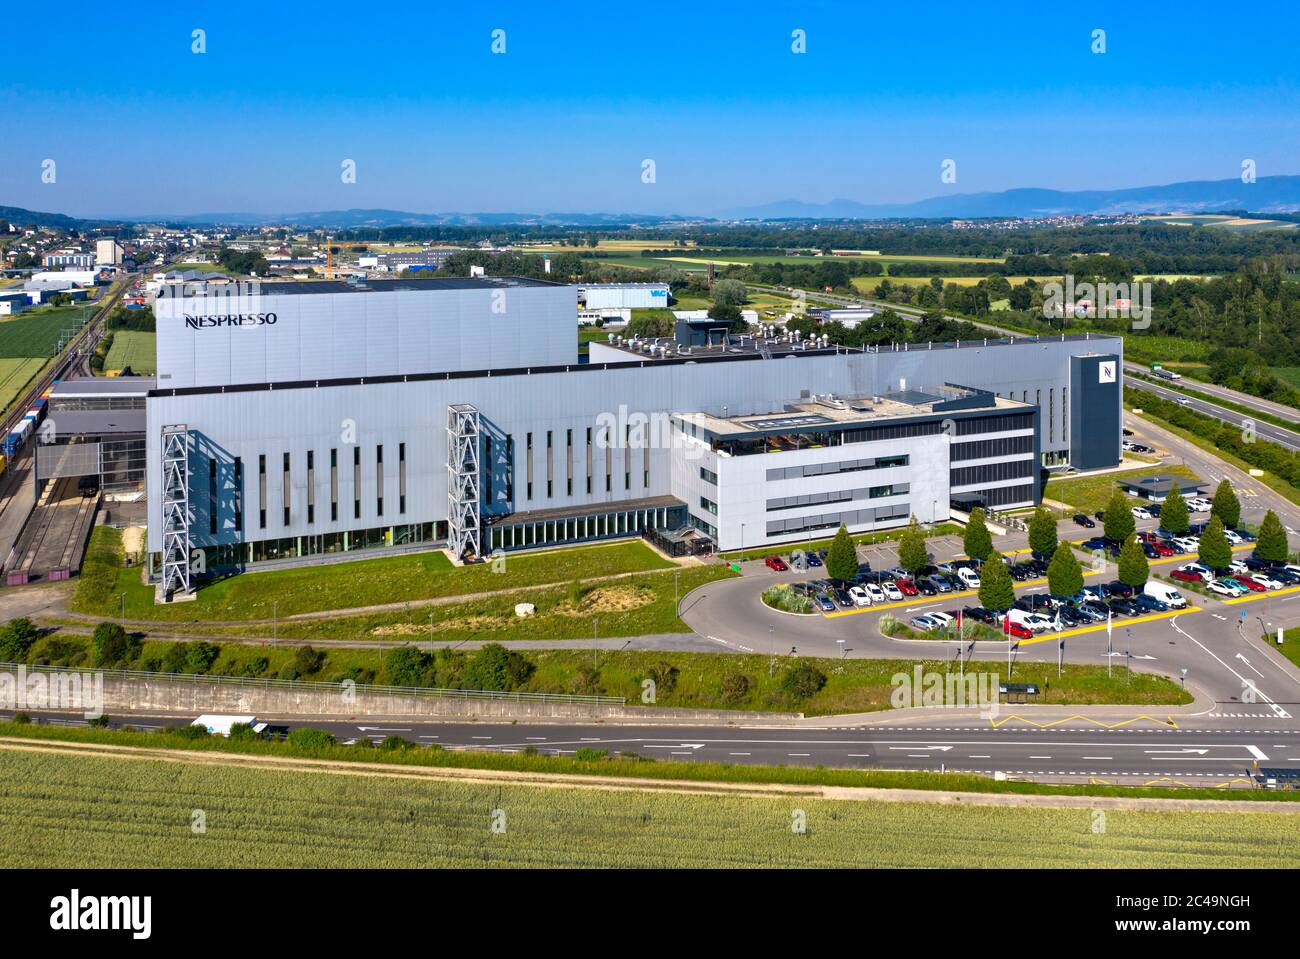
(36, 332)
(91, 810)
(1234, 223)
(15, 373)
(134, 348)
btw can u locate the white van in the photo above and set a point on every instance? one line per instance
(969, 577)
(1165, 593)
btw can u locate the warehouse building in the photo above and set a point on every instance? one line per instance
(303, 419)
(623, 296)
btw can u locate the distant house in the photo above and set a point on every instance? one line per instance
(1156, 488)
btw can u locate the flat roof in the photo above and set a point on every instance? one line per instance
(749, 345)
(405, 284)
(83, 386)
(1162, 484)
(101, 422)
(840, 411)
(589, 509)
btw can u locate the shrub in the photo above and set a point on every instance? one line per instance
(587, 754)
(98, 722)
(199, 656)
(307, 738)
(243, 732)
(586, 681)
(308, 661)
(395, 742)
(190, 731)
(784, 598)
(408, 666)
(22, 718)
(802, 681)
(734, 687)
(665, 676)
(496, 668)
(113, 646)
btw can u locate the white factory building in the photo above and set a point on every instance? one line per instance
(623, 296)
(300, 419)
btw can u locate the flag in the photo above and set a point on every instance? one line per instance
(1110, 615)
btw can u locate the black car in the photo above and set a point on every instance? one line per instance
(956, 582)
(1100, 514)
(1123, 607)
(1069, 617)
(1149, 604)
(925, 586)
(843, 598)
(1097, 542)
(1120, 590)
(1082, 519)
(980, 615)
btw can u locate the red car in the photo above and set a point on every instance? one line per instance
(776, 563)
(1254, 585)
(1018, 631)
(1161, 547)
(907, 587)
(1187, 576)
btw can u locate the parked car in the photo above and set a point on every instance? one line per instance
(842, 597)
(1097, 542)
(812, 559)
(776, 563)
(1121, 590)
(1123, 607)
(1094, 608)
(906, 587)
(1267, 581)
(1245, 535)
(1018, 631)
(898, 573)
(926, 587)
(979, 614)
(891, 590)
(1161, 547)
(859, 596)
(1164, 593)
(1186, 576)
(1232, 537)
(875, 592)
(969, 577)
(1254, 585)
(1226, 588)
(1199, 504)
(940, 584)
(1151, 604)
(1141, 512)
(1188, 544)
(824, 602)
(1150, 551)
(1069, 617)
(945, 619)
(1082, 519)
(925, 623)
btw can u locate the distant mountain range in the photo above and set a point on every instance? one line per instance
(1269, 194)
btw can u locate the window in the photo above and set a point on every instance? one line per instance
(212, 495)
(356, 482)
(709, 505)
(261, 490)
(311, 486)
(239, 495)
(401, 475)
(379, 480)
(285, 490)
(712, 478)
(589, 460)
(334, 486)
(528, 489)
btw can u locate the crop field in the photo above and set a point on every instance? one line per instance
(134, 348)
(36, 334)
(89, 811)
(14, 374)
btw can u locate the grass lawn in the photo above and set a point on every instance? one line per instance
(60, 810)
(1091, 493)
(134, 348)
(1290, 647)
(389, 579)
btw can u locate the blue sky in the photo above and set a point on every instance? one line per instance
(138, 124)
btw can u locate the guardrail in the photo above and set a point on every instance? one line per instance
(433, 692)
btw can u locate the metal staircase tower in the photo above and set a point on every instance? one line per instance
(176, 509)
(464, 535)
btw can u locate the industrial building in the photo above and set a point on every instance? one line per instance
(623, 296)
(70, 259)
(301, 419)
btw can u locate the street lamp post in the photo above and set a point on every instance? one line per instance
(430, 632)
(123, 617)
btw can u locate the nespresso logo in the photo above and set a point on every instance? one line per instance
(229, 319)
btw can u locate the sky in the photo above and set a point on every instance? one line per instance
(262, 121)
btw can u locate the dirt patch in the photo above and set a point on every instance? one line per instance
(609, 599)
(132, 539)
(469, 623)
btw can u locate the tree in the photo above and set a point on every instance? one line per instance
(1272, 545)
(112, 645)
(496, 668)
(802, 681)
(977, 539)
(1118, 524)
(1042, 532)
(1064, 574)
(1215, 550)
(1226, 506)
(729, 293)
(912, 552)
(996, 589)
(729, 314)
(842, 559)
(1133, 569)
(17, 639)
(1173, 512)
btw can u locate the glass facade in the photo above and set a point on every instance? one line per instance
(508, 535)
(289, 547)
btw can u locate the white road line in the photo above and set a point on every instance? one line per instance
(1097, 757)
(1257, 753)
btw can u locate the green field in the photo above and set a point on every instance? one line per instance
(14, 375)
(36, 333)
(1091, 493)
(368, 582)
(86, 811)
(133, 348)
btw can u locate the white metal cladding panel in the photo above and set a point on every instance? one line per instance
(381, 332)
(351, 341)
(175, 346)
(503, 331)
(474, 310)
(414, 334)
(315, 343)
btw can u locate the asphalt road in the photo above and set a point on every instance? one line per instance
(1264, 430)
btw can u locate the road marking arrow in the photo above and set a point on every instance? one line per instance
(675, 746)
(1175, 752)
(381, 729)
(1251, 665)
(940, 748)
